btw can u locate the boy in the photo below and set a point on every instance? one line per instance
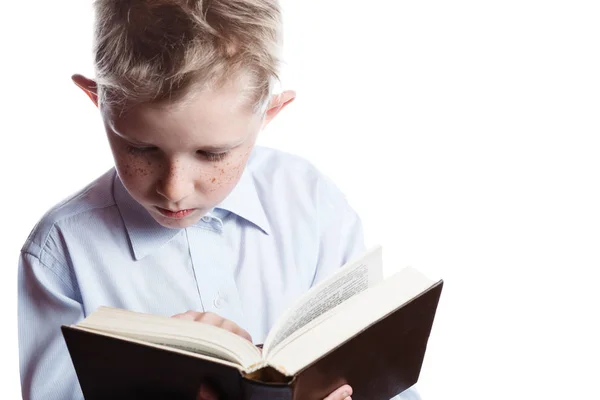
(194, 221)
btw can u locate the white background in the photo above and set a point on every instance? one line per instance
(465, 133)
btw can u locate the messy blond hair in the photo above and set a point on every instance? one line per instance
(151, 51)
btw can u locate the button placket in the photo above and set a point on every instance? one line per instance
(215, 280)
(220, 300)
(213, 222)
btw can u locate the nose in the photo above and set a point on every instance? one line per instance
(176, 184)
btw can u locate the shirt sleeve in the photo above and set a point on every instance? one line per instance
(47, 299)
(341, 241)
(409, 394)
(341, 237)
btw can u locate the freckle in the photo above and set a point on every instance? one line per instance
(213, 180)
(142, 171)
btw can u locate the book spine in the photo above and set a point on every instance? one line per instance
(259, 391)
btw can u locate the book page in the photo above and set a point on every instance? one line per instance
(350, 318)
(176, 349)
(351, 279)
(181, 334)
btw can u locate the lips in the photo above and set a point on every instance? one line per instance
(175, 214)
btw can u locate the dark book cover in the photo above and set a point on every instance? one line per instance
(380, 362)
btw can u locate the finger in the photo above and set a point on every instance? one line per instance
(189, 315)
(342, 393)
(206, 393)
(244, 334)
(215, 320)
(233, 327)
(230, 326)
(210, 318)
(183, 316)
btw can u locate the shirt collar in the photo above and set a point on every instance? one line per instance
(147, 235)
(245, 202)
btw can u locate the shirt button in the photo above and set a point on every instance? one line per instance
(218, 302)
(206, 219)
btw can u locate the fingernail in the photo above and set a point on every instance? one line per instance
(345, 395)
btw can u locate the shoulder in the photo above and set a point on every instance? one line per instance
(277, 171)
(269, 163)
(96, 196)
(308, 213)
(294, 193)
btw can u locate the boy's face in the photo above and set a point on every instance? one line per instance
(179, 161)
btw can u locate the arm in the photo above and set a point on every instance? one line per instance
(340, 230)
(341, 240)
(47, 299)
(408, 394)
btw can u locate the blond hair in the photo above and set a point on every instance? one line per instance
(161, 50)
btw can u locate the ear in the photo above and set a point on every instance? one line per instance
(88, 86)
(278, 103)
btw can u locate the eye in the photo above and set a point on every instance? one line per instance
(213, 156)
(140, 150)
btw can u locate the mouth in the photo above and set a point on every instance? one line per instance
(178, 214)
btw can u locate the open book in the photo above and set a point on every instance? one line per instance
(352, 312)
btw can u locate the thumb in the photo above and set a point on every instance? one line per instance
(206, 393)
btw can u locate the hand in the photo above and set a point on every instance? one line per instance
(343, 393)
(206, 393)
(215, 320)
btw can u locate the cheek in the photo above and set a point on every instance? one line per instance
(226, 174)
(135, 172)
(133, 169)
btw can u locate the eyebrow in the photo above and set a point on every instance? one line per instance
(209, 148)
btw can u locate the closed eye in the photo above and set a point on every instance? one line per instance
(141, 150)
(213, 156)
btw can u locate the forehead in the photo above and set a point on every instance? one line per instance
(204, 117)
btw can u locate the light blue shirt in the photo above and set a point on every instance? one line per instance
(283, 228)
